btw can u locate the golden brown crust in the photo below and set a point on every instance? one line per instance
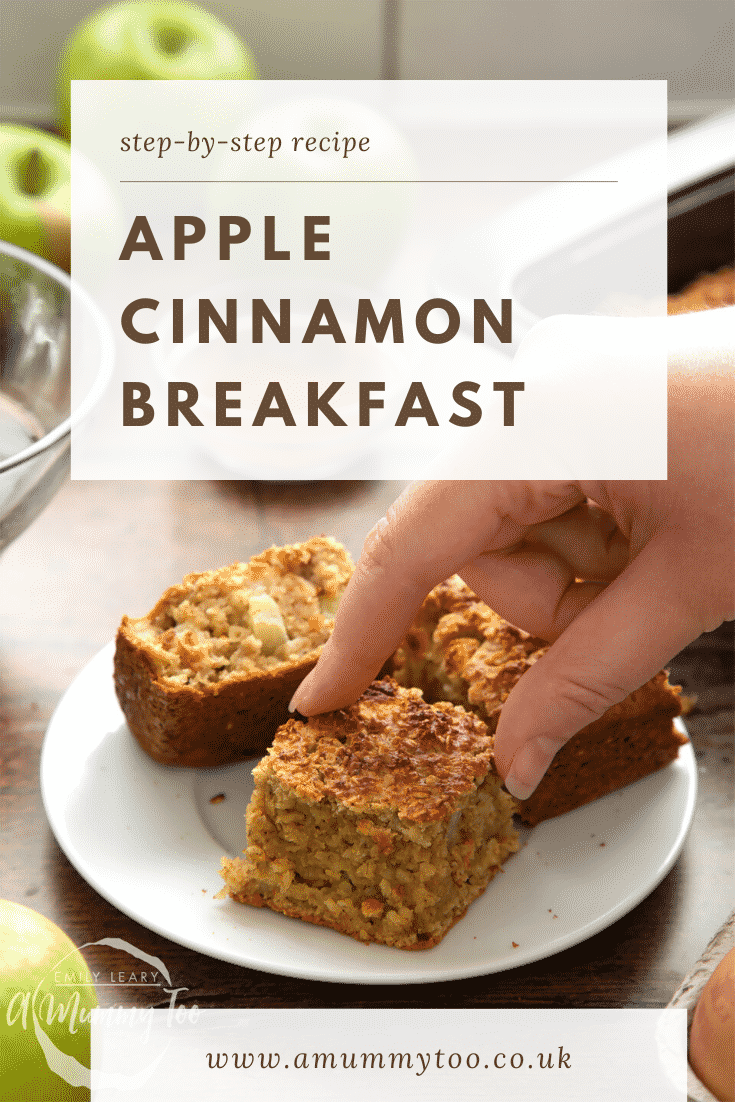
(388, 751)
(631, 740)
(200, 727)
(599, 761)
(461, 649)
(382, 821)
(186, 701)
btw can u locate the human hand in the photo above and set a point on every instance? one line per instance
(618, 576)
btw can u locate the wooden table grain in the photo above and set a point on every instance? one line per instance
(103, 549)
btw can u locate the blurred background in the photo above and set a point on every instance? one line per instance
(104, 548)
(687, 42)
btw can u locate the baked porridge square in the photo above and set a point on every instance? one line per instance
(383, 820)
(459, 650)
(206, 677)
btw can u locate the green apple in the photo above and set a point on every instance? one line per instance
(35, 201)
(35, 192)
(44, 985)
(141, 40)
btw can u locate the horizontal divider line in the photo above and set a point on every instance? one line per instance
(368, 181)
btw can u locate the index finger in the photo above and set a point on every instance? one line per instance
(427, 534)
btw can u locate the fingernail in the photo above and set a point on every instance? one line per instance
(517, 788)
(298, 703)
(529, 766)
(299, 698)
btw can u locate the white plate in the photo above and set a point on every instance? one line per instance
(148, 839)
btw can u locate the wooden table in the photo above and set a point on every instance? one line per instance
(104, 549)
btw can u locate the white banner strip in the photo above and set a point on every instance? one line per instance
(317, 280)
(320, 1055)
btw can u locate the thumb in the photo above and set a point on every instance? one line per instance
(620, 641)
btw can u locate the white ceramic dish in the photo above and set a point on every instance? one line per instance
(149, 839)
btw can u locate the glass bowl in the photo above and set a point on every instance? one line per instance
(39, 405)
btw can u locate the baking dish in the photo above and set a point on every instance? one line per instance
(562, 251)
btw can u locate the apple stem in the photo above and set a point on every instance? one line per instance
(33, 173)
(170, 39)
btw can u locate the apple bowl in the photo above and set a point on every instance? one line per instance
(39, 404)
